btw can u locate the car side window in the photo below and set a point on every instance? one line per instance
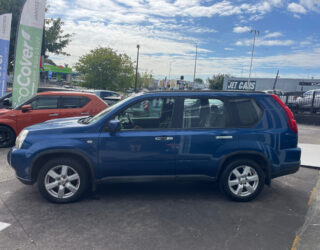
(45, 102)
(204, 113)
(69, 102)
(152, 113)
(245, 112)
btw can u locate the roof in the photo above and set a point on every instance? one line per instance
(70, 93)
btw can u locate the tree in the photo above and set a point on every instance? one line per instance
(216, 82)
(103, 68)
(198, 81)
(144, 80)
(56, 40)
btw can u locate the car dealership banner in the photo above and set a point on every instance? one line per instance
(241, 85)
(5, 29)
(28, 51)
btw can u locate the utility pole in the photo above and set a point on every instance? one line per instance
(195, 63)
(136, 82)
(256, 32)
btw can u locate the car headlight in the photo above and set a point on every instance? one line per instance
(21, 137)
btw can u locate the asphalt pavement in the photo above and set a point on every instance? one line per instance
(171, 213)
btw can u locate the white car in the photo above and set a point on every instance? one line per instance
(305, 101)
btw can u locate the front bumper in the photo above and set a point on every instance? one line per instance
(19, 161)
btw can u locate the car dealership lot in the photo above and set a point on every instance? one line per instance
(171, 213)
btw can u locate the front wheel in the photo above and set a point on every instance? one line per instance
(62, 180)
(242, 180)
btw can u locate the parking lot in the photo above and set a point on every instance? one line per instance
(170, 213)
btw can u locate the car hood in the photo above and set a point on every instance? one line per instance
(63, 123)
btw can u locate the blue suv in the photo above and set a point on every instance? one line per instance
(242, 140)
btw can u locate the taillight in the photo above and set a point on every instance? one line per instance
(292, 122)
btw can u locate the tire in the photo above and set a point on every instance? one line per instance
(239, 173)
(7, 137)
(62, 187)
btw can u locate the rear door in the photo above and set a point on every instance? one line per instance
(204, 137)
(74, 106)
(44, 107)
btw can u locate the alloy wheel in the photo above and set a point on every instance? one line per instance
(62, 181)
(243, 181)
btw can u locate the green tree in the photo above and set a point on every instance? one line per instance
(144, 80)
(198, 81)
(57, 40)
(216, 82)
(103, 68)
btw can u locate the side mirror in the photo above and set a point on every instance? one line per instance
(26, 108)
(114, 126)
(6, 102)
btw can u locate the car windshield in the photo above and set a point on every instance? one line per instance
(108, 110)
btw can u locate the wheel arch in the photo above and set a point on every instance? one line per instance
(51, 154)
(9, 127)
(258, 157)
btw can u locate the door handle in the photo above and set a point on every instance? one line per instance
(53, 114)
(224, 137)
(84, 113)
(163, 138)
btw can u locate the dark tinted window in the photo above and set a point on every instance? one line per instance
(74, 101)
(204, 113)
(245, 112)
(45, 102)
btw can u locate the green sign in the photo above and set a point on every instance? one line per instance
(56, 69)
(28, 50)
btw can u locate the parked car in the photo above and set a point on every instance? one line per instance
(6, 100)
(229, 138)
(110, 97)
(45, 106)
(305, 101)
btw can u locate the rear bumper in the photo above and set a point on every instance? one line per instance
(287, 169)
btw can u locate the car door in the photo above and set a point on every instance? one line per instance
(73, 106)
(204, 137)
(44, 107)
(145, 145)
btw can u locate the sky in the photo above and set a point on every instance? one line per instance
(168, 32)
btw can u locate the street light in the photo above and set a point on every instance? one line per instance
(195, 64)
(136, 82)
(253, 44)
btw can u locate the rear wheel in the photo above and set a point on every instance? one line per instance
(7, 137)
(242, 180)
(62, 180)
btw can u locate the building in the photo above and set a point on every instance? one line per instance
(259, 84)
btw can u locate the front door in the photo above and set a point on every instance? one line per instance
(44, 107)
(145, 145)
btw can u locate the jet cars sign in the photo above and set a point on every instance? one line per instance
(241, 85)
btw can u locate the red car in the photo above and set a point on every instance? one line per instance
(45, 106)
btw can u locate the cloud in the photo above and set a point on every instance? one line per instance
(312, 5)
(264, 42)
(240, 29)
(229, 49)
(296, 8)
(273, 35)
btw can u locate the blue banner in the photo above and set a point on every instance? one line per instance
(4, 53)
(5, 29)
